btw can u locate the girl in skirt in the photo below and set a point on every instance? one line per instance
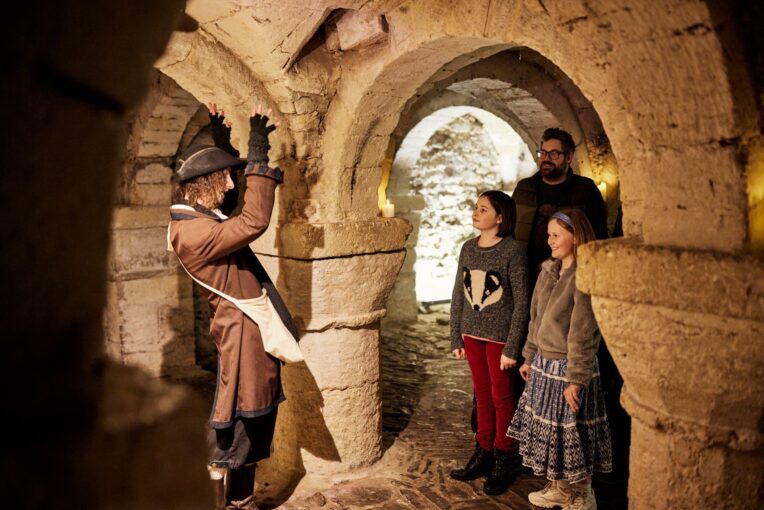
(489, 314)
(560, 420)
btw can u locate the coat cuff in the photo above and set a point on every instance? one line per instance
(264, 170)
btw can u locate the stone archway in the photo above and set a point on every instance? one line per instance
(149, 316)
(485, 153)
(341, 126)
(663, 206)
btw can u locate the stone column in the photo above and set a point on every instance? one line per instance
(335, 279)
(686, 329)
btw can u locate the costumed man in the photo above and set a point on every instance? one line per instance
(214, 249)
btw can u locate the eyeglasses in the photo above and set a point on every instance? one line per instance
(553, 155)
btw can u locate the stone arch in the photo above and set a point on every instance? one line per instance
(608, 75)
(531, 94)
(499, 139)
(150, 314)
(636, 89)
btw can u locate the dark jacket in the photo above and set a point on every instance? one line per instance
(217, 252)
(578, 192)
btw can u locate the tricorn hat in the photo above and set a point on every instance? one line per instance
(200, 160)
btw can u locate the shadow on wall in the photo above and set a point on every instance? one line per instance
(300, 430)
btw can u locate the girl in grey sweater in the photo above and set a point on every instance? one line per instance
(489, 314)
(560, 420)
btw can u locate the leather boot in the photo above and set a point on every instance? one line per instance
(503, 473)
(479, 465)
(242, 486)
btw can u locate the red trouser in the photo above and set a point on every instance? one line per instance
(494, 392)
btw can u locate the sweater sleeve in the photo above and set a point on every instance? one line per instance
(518, 281)
(582, 340)
(530, 348)
(457, 305)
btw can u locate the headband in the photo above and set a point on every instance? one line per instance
(563, 218)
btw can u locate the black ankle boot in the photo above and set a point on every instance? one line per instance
(479, 465)
(502, 474)
(241, 489)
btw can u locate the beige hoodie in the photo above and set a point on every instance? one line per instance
(562, 323)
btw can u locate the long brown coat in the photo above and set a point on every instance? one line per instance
(217, 253)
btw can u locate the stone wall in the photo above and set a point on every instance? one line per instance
(150, 311)
(660, 91)
(92, 430)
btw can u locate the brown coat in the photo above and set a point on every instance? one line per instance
(217, 253)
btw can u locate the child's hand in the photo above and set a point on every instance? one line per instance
(571, 396)
(506, 362)
(525, 372)
(459, 353)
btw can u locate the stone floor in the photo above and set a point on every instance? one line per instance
(426, 407)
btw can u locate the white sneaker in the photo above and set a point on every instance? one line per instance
(548, 497)
(581, 499)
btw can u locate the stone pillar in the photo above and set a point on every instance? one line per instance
(402, 306)
(331, 421)
(685, 329)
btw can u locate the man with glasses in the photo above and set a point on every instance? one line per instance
(552, 188)
(538, 197)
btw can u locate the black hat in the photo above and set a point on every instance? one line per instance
(200, 160)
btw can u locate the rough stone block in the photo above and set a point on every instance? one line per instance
(134, 217)
(356, 28)
(140, 250)
(150, 194)
(312, 288)
(342, 358)
(154, 174)
(324, 240)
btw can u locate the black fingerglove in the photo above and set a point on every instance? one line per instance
(221, 134)
(258, 139)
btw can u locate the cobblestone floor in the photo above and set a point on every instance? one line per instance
(427, 400)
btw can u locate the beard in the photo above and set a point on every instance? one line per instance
(552, 171)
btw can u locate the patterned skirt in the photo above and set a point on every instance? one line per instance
(554, 441)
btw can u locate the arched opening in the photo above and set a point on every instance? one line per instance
(441, 165)
(150, 314)
(509, 98)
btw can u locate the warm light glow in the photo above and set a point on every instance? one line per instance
(603, 189)
(387, 165)
(388, 210)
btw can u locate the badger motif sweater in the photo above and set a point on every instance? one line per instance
(490, 298)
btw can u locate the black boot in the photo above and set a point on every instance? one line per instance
(479, 465)
(241, 489)
(503, 473)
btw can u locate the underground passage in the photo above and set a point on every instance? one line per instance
(384, 255)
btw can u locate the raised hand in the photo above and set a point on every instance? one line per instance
(221, 130)
(258, 135)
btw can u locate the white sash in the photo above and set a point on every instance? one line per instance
(278, 341)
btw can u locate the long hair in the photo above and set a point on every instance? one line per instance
(504, 205)
(581, 229)
(205, 189)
